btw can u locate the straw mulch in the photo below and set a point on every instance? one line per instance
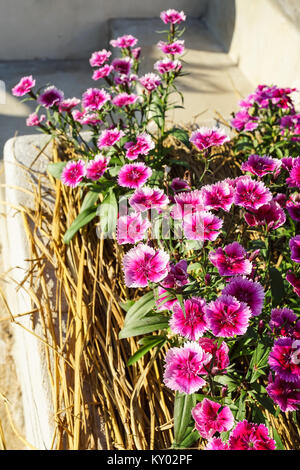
(98, 401)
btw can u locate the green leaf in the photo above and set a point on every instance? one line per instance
(183, 418)
(277, 286)
(90, 200)
(56, 169)
(182, 135)
(108, 213)
(146, 325)
(139, 320)
(81, 220)
(152, 342)
(279, 444)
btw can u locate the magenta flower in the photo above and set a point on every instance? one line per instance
(123, 65)
(219, 354)
(260, 166)
(142, 264)
(73, 173)
(165, 300)
(192, 323)
(124, 41)
(231, 260)
(187, 203)
(295, 248)
(172, 16)
(136, 53)
(250, 436)
(243, 121)
(99, 58)
(50, 97)
(294, 178)
(251, 194)
(86, 118)
(150, 81)
(178, 185)
(125, 99)
(176, 47)
(109, 137)
(177, 276)
(210, 417)
(281, 199)
(218, 196)
(24, 86)
(148, 198)
(294, 281)
(216, 443)
(134, 175)
(96, 168)
(204, 137)
(285, 394)
(245, 290)
(131, 228)
(270, 215)
(102, 72)
(293, 206)
(167, 65)
(124, 79)
(284, 359)
(283, 321)
(68, 104)
(202, 226)
(34, 120)
(184, 367)
(227, 316)
(94, 98)
(141, 146)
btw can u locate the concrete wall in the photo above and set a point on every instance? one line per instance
(262, 37)
(67, 29)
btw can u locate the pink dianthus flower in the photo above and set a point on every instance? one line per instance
(172, 16)
(231, 260)
(210, 417)
(99, 58)
(134, 175)
(284, 359)
(68, 104)
(270, 215)
(251, 194)
(295, 248)
(293, 206)
(96, 168)
(245, 290)
(124, 41)
(125, 99)
(205, 137)
(227, 316)
(35, 120)
(150, 81)
(261, 165)
(219, 354)
(176, 47)
(148, 198)
(184, 367)
(24, 86)
(95, 98)
(219, 195)
(142, 264)
(73, 173)
(131, 228)
(167, 65)
(102, 72)
(51, 96)
(250, 436)
(109, 137)
(141, 146)
(285, 394)
(202, 226)
(192, 323)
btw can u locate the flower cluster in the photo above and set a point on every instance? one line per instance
(210, 253)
